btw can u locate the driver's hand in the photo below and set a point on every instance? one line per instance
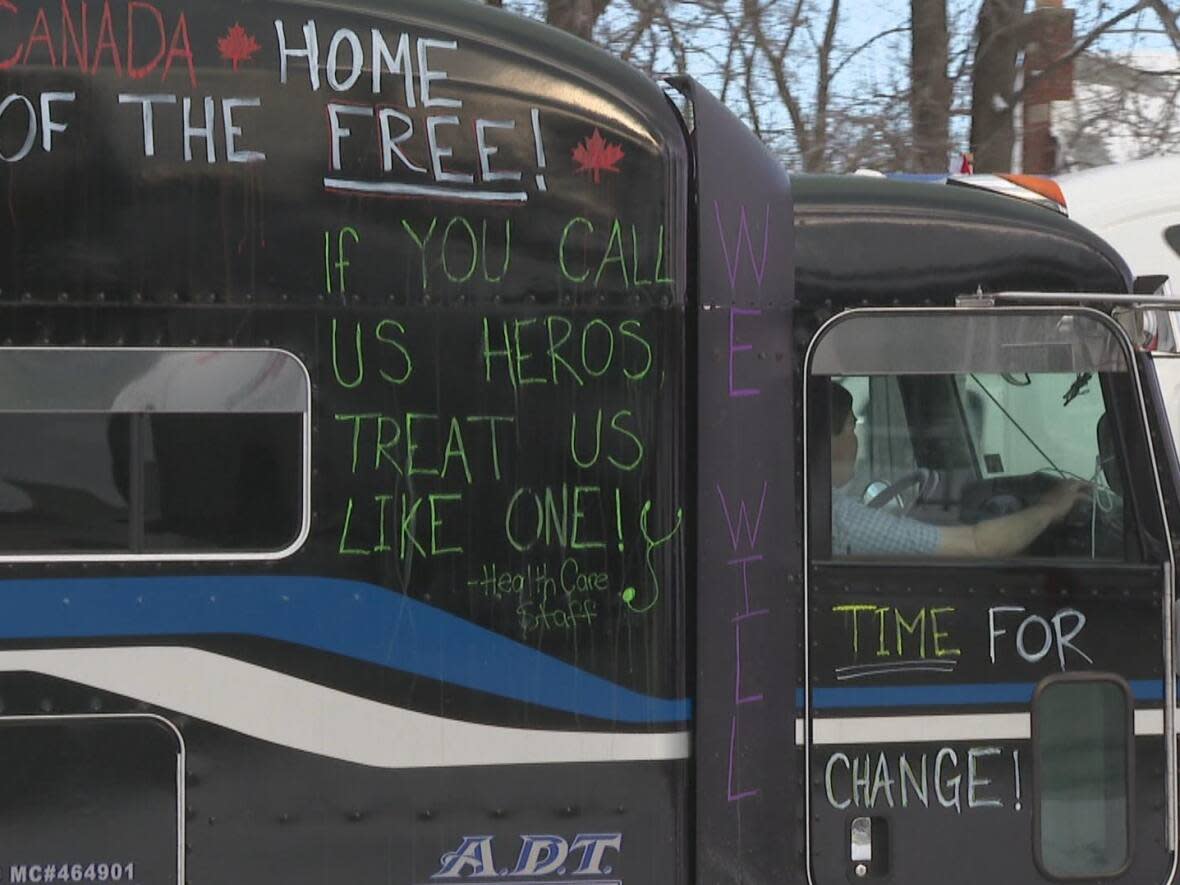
(1060, 499)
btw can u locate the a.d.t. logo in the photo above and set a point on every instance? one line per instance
(539, 856)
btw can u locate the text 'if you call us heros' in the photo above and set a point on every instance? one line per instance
(465, 460)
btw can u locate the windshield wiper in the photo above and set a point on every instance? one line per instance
(1077, 388)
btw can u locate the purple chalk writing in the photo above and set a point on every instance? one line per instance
(733, 262)
(734, 347)
(743, 537)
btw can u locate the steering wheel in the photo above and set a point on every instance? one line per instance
(1092, 528)
(925, 480)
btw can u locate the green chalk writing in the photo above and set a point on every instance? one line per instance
(356, 420)
(565, 235)
(616, 423)
(507, 252)
(580, 254)
(341, 263)
(416, 444)
(577, 542)
(523, 356)
(420, 242)
(520, 542)
(469, 272)
(517, 350)
(555, 345)
(637, 279)
(460, 250)
(408, 522)
(360, 359)
(492, 421)
(456, 449)
(593, 459)
(367, 521)
(605, 348)
(652, 544)
(412, 446)
(555, 516)
(387, 334)
(631, 330)
(624, 440)
(384, 333)
(491, 352)
(384, 445)
(436, 501)
(383, 502)
(614, 244)
(344, 549)
(660, 278)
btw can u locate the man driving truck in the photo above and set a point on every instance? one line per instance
(860, 530)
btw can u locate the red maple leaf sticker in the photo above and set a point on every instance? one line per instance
(237, 45)
(596, 155)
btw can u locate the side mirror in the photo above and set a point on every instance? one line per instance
(1151, 284)
(1151, 329)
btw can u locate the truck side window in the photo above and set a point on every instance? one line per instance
(151, 452)
(1082, 730)
(978, 445)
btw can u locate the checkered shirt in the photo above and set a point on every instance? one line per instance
(858, 530)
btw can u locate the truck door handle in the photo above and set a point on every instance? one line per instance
(868, 846)
(861, 841)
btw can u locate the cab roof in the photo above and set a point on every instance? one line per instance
(865, 240)
(545, 45)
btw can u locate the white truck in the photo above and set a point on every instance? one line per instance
(1136, 208)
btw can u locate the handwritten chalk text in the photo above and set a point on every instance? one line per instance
(939, 779)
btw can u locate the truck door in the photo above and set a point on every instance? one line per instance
(988, 696)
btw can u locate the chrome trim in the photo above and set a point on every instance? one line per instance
(1168, 601)
(997, 184)
(1169, 606)
(1062, 299)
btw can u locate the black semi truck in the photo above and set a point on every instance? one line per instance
(431, 451)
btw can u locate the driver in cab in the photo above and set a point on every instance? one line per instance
(860, 530)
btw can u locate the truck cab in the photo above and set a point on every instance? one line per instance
(989, 661)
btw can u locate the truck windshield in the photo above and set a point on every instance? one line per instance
(969, 436)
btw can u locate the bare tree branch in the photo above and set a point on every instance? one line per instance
(1169, 18)
(576, 16)
(753, 14)
(823, 84)
(1078, 48)
(844, 62)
